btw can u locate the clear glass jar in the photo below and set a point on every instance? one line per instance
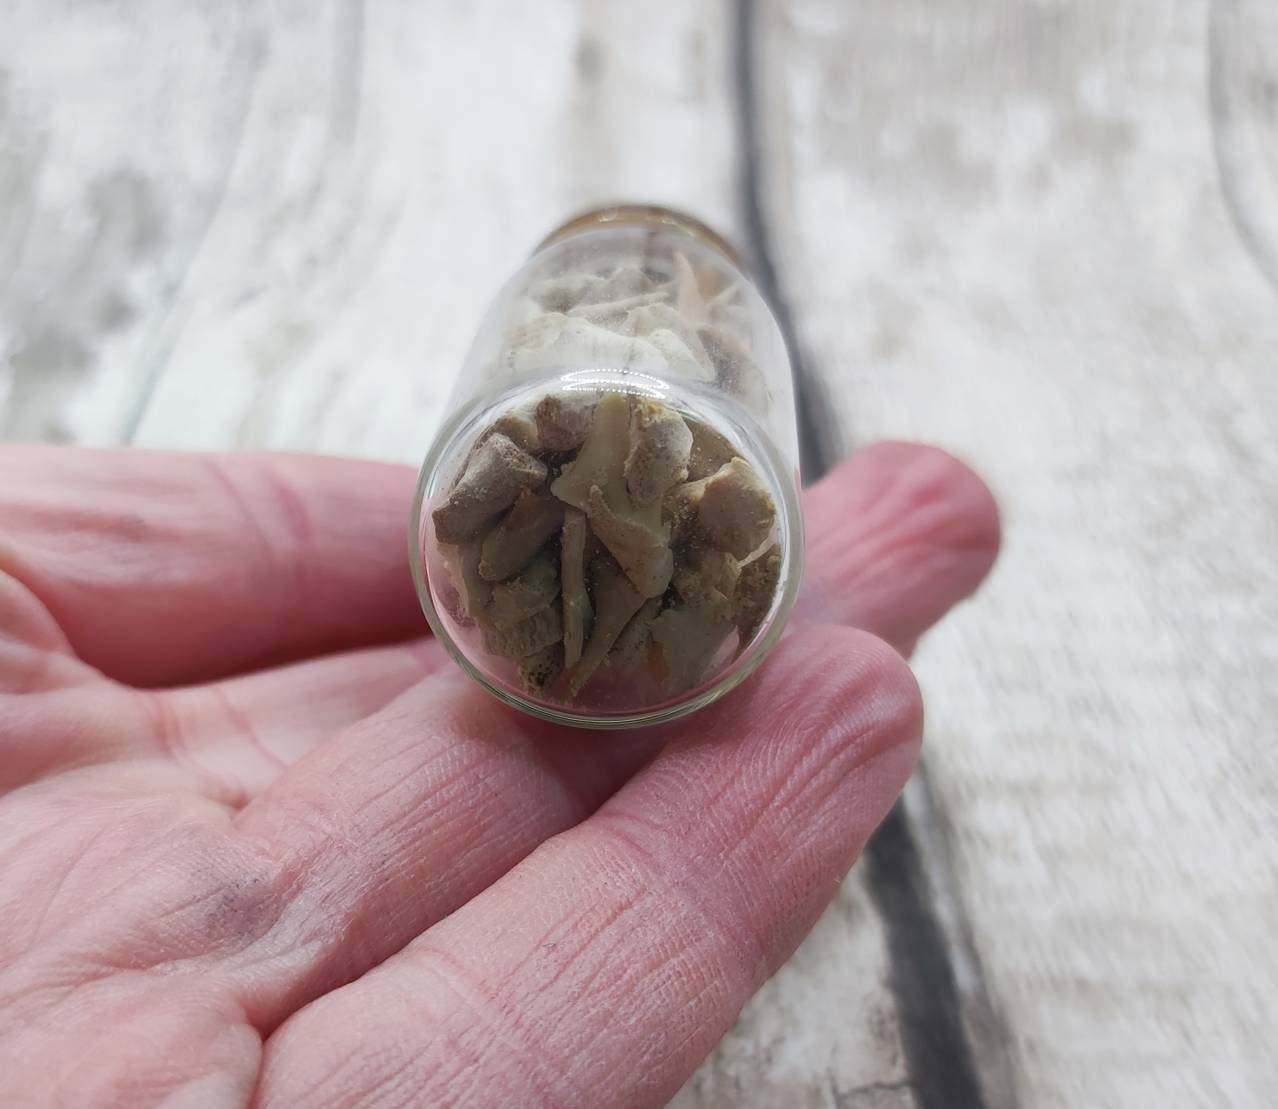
(606, 531)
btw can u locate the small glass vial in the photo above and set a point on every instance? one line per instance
(606, 531)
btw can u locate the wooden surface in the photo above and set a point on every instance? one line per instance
(1044, 235)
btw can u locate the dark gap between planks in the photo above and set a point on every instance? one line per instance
(938, 1055)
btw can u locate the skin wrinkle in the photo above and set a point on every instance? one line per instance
(241, 722)
(23, 617)
(519, 1047)
(80, 854)
(169, 735)
(689, 894)
(273, 558)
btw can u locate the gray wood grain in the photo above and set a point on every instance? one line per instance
(1039, 234)
(118, 127)
(362, 233)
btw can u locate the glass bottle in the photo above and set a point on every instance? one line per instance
(606, 531)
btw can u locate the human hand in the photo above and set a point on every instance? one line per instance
(257, 847)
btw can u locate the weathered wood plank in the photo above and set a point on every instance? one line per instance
(118, 125)
(363, 232)
(1003, 228)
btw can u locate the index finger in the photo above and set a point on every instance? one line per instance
(163, 567)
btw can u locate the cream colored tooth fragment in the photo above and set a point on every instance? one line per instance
(616, 601)
(496, 473)
(603, 453)
(462, 563)
(710, 450)
(614, 311)
(577, 344)
(535, 333)
(724, 298)
(520, 427)
(595, 483)
(558, 294)
(661, 317)
(563, 419)
(519, 535)
(637, 541)
(682, 362)
(627, 281)
(539, 631)
(523, 596)
(539, 669)
(572, 572)
(734, 368)
(690, 302)
(632, 644)
(735, 511)
(689, 637)
(679, 509)
(707, 577)
(756, 589)
(523, 311)
(659, 446)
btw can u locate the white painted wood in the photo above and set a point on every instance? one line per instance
(399, 159)
(117, 126)
(1012, 228)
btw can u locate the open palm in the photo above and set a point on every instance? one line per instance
(260, 845)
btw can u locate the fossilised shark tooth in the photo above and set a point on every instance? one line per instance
(735, 511)
(595, 482)
(632, 644)
(690, 302)
(558, 294)
(659, 446)
(538, 670)
(602, 457)
(616, 600)
(496, 473)
(614, 311)
(627, 281)
(542, 629)
(638, 542)
(689, 637)
(557, 341)
(572, 571)
(661, 317)
(707, 577)
(756, 589)
(734, 368)
(519, 535)
(520, 427)
(462, 563)
(514, 601)
(710, 450)
(563, 420)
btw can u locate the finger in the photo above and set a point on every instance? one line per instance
(897, 535)
(605, 966)
(162, 568)
(410, 813)
(239, 734)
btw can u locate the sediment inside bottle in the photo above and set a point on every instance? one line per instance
(606, 538)
(615, 548)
